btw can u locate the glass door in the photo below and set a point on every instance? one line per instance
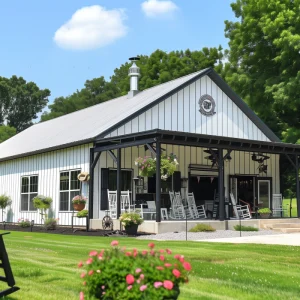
(264, 189)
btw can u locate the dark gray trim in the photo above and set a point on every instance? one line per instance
(242, 106)
(158, 182)
(297, 186)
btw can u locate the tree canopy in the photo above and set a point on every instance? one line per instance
(264, 61)
(157, 68)
(20, 101)
(6, 132)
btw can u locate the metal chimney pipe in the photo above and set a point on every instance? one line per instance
(134, 74)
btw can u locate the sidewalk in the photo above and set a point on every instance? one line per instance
(289, 239)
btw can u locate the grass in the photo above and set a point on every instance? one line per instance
(45, 267)
(244, 228)
(286, 203)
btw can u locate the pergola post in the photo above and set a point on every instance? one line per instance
(221, 186)
(158, 181)
(119, 183)
(297, 186)
(93, 163)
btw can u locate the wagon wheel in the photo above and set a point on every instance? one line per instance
(107, 223)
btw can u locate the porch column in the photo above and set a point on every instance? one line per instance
(93, 163)
(297, 186)
(119, 183)
(158, 181)
(91, 184)
(221, 186)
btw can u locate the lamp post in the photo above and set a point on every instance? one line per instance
(135, 183)
(31, 225)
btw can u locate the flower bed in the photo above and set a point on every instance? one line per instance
(118, 273)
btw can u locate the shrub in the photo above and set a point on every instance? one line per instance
(4, 201)
(264, 210)
(244, 228)
(122, 274)
(79, 199)
(202, 228)
(83, 213)
(24, 223)
(50, 224)
(131, 218)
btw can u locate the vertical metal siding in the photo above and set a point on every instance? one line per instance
(47, 166)
(180, 112)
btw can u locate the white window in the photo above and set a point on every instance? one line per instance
(69, 187)
(29, 189)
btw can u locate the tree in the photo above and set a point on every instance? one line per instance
(157, 68)
(20, 101)
(6, 132)
(264, 61)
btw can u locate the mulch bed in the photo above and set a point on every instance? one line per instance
(68, 230)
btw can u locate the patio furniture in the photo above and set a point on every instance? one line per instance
(197, 211)
(177, 210)
(150, 211)
(240, 211)
(277, 208)
(126, 206)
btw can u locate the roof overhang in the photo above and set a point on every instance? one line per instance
(194, 140)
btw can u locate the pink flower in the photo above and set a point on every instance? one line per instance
(129, 279)
(81, 296)
(161, 257)
(142, 276)
(151, 245)
(177, 256)
(114, 243)
(157, 284)
(152, 252)
(129, 287)
(168, 284)
(161, 250)
(91, 272)
(168, 251)
(144, 252)
(138, 281)
(128, 253)
(181, 259)
(103, 287)
(89, 261)
(187, 266)
(159, 268)
(168, 265)
(80, 264)
(176, 273)
(82, 275)
(138, 270)
(143, 287)
(84, 283)
(93, 253)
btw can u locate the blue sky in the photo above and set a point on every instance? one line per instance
(41, 42)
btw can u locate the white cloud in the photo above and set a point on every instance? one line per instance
(91, 27)
(155, 8)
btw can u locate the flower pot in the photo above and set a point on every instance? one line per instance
(265, 215)
(131, 229)
(79, 206)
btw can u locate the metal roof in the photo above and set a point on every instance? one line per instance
(86, 124)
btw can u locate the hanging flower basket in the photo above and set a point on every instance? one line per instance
(79, 202)
(147, 166)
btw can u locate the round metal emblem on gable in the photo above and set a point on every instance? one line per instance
(207, 105)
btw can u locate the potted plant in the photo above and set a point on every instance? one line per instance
(4, 202)
(265, 212)
(147, 165)
(131, 221)
(82, 214)
(119, 273)
(79, 202)
(42, 203)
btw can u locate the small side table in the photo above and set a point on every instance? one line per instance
(87, 221)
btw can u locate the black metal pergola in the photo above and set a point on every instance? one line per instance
(158, 137)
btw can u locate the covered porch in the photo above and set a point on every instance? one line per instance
(229, 167)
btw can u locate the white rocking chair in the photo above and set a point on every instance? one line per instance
(197, 211)
(277, 208)
(240, 211)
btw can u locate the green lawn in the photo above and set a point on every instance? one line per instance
(286, 203)
(45, 267)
